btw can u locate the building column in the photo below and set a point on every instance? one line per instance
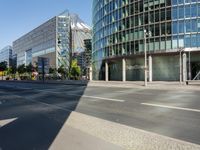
(184, 67)
(90, 73)
(106, 71)
(189, 67)
(123, 69)
(150, 68)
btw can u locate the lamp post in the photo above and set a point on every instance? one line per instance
(180, 64)
(145, 58)
(145, 55)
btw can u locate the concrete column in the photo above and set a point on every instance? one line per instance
(189, 67)
(90, 73)
(106, 71)
(150, 68)
(184, 67)
(123, 70)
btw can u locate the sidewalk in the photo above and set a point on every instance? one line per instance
(194, 85)
(119, 135)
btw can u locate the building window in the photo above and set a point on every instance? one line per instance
(194, 25)
(193, 10)
(188, 26)
(162, 43)
(187, 11)
(194, 40)
(187, 40)
(174, 13)
(181, 26)
(174, 2)
(174, 42)
(180, 1)
(181, 41)
(175, 27)
(181, 12)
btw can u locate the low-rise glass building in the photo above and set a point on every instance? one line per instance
(6, 55)
(171, 40)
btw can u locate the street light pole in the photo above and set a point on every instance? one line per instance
(180, 67)
(180, 63)
(145, 59)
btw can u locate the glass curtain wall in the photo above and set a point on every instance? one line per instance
(63, 39)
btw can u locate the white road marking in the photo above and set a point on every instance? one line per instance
(101, 98)
(87, 96)
(6, 121)
(171, 107)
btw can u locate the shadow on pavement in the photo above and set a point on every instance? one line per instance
(38, 113)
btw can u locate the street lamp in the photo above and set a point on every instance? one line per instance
(145, 56)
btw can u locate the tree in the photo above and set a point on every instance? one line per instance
(62, 71)
(3, 67)
(52, 70)
(75, 70)
(21, 69)
(29, 69)
(13, 70)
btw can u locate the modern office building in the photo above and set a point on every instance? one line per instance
(80, 32)
(50, 40)
(171, 40)
(88, 58)
(6, 55)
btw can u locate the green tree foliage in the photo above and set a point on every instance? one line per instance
(13, 70)
(62, 71)
(29, 68)
(75, 70)
(52, 70)
(3, 66)
(21, 69)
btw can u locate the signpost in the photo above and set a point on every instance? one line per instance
(43, 66)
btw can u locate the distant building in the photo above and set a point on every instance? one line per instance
(6, 55)
(51, 40)
(88, 57)
(58, 39)
(80, 32)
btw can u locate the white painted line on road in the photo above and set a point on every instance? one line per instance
(102, 98)
(171, 107)
(6, 121)
(87, 96)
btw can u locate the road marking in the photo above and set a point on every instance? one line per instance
(102, 98)
(6, 121)
(87, 96)
(171, 107)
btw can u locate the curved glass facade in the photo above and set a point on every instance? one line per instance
(118, 33)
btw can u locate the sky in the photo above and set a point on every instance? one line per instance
(18, 17)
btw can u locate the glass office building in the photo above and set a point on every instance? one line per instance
(51, 40)
(172, 39)
(6, 55)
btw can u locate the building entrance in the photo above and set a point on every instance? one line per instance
(195, 69)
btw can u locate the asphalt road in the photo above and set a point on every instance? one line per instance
(39, 111)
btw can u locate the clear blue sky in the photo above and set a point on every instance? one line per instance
(18, 17)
